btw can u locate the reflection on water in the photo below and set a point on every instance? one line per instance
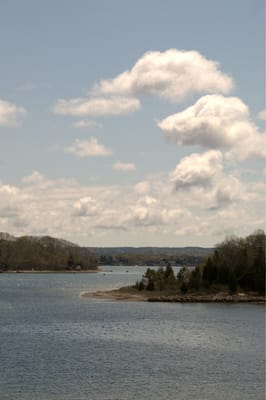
(57, 345)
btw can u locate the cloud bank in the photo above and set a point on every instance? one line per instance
(91, 214)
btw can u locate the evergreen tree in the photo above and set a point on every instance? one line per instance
(195, 279)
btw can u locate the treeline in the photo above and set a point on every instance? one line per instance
(44, 253)
(149, 259)
(160, 279)
(236, 263)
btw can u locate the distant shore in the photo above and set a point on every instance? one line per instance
(27, 271)
(130, 294)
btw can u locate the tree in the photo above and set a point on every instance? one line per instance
(238, 262)
(181, 274)
(210, 271)
(184, 287)
(140, 285)
(168, 271)
(150, 275)
(195, 279)
(70, 262)
(232, 283)
(259, 272)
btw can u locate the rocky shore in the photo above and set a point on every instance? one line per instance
(129, 294)
(217, 298)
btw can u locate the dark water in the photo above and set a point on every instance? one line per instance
(57, 345)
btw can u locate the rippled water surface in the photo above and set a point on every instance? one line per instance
(56, 345)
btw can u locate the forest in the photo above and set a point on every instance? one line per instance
(43, 253)
(237, 264)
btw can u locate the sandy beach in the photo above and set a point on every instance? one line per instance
(115, 295)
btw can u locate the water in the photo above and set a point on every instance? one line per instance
(55, 344)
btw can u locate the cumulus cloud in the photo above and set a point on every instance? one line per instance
(146, 212)
(84, 207)
(172, 74)
(200, 181)
(152, 213)
(88, 148)
(10, 114)
(143, 187)
(125, 167)
(87, 124)
(197, 170)
(217, 122)
(97, 106)
(11, 212)
(228, 191)
(262, 115)
(8, 190)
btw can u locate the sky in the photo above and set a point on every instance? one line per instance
(132, 123)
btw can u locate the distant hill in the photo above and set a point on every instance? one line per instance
(195, 251)
(150, 255)
(43, 253)
(7, 236)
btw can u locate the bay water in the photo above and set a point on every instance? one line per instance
(57, 345)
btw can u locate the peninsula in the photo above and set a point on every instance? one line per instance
(234, 273)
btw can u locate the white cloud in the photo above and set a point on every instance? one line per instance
(197, 170)
(149, 212)
(199, 181)
(146, 212)
(35, 178)
(97, 106)
(10, 114)
(8, 190)
(88, 148)
(11, 213)
(228, 190)
(172, 74)
(142, 187)
(87, 124)
(217, 122)
(84, 207)
(125, 167)
(262, 115)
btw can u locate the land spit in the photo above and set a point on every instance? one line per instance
(130, 294)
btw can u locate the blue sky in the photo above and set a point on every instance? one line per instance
(171, 152)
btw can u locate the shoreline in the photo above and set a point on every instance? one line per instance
(129, 294)
(27, 271)
(113, 294)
